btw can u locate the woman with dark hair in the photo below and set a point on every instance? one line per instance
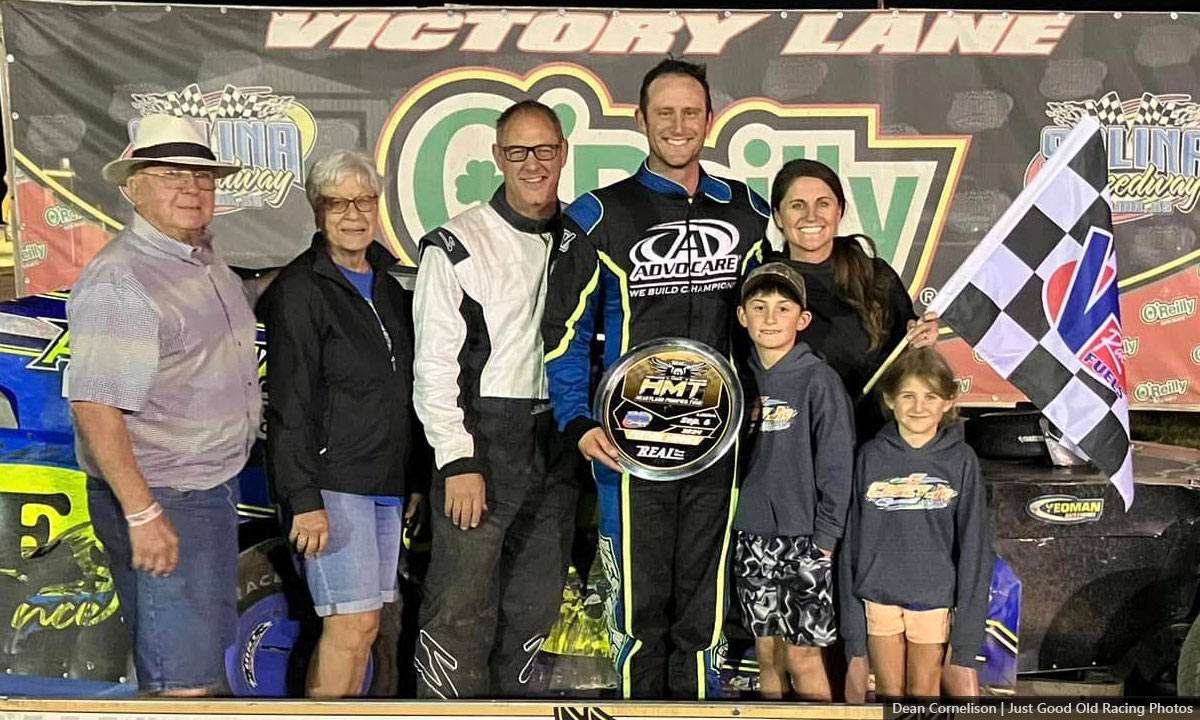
(860, 308)
(860, 312)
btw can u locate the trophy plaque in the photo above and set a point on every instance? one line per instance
(672, 407)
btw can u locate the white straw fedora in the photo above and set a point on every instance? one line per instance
(166, 139)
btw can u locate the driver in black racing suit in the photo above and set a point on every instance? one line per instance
(656, 255)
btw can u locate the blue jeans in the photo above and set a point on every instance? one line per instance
(181, 623)
(356, 572)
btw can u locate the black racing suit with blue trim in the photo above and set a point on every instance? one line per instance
(642, 260)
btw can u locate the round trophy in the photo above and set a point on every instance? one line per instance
(672, 407)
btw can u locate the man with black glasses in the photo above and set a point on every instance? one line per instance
(503, 496)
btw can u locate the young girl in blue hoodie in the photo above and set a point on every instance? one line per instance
(916, 561)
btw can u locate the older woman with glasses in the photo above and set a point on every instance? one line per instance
(340, 424)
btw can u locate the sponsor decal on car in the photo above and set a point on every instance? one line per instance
(1061, 509)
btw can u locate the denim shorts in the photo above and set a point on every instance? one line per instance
(356, 572)
(182, 623)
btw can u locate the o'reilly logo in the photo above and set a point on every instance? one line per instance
(1065, 509)
(1164, 312)
(435, 149)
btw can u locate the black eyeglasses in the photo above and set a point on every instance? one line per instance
(176, 179)
(518, 153)
(338, 205)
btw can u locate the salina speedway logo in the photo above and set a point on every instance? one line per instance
(1152, 150)
(268, 134)
(435, 152)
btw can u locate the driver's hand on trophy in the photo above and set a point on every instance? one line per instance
(595, 445)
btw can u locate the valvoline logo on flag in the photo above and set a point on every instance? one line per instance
(1081, 300)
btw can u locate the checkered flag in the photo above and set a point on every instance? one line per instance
(1153, 112)
(1107, 109)
(252, 103)
(188, 103)
(1038, 300)
(235, 104)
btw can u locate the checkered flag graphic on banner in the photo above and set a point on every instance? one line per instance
(1038, 301)
(252, 103)
(234, 103)
(188, 103)
(1158, 113)
(1107, 109)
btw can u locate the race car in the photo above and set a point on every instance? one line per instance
(61, 633)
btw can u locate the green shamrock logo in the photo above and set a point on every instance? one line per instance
(478, 182)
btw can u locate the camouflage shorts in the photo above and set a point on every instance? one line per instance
(785, 588)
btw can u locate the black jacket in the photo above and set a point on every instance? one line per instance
(917, 536)
(836, 333)
(339, 410)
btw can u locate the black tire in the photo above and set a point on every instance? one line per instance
(1009, 435)
(1187, 677)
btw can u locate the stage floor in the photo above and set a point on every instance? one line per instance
(153, 709)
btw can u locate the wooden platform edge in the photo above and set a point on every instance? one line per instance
(154, 709)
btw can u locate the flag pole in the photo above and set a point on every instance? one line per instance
(891, 358)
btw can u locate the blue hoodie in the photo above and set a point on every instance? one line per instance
(917, 536)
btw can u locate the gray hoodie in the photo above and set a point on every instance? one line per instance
(917, 536)
(801, 440)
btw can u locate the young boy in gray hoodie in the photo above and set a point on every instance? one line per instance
(796, 490)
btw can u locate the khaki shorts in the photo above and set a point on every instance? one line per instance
(926, 627)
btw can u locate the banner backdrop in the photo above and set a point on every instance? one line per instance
(935, 121)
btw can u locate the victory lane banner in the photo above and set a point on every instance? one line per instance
(934, 120)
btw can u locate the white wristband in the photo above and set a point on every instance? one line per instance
(142, 517)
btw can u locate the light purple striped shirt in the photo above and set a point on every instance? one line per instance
(164, 331)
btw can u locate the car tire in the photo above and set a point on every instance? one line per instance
(1187, 676)
(1008, 435)
(260, 663)
(277, 625)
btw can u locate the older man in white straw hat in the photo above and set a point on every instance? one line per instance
(164, 395)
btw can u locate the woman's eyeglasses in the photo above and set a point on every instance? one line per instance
(338, 205)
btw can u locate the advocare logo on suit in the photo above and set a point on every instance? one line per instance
(675, 256)
(435, 149)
